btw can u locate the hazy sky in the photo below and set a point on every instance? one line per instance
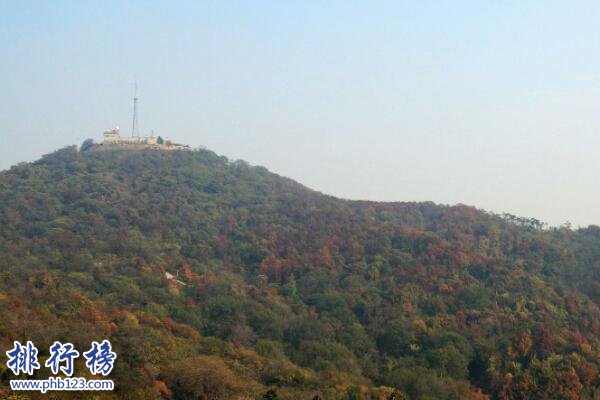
(489, 103)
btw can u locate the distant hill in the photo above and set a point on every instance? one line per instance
(218, 280)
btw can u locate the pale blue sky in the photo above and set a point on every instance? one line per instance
(489, 103)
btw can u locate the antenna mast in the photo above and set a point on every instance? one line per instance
(135, 128)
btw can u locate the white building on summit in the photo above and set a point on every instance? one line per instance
(114, 137)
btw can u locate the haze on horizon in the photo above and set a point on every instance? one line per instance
(491, 104)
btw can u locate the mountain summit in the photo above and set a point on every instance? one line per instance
(219, 280)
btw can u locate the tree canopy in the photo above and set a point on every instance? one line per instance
(285, 292)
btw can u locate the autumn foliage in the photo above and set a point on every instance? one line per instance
(283, 292)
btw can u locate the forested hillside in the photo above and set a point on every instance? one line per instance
(285, 292)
